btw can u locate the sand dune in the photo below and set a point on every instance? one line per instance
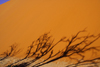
(22, 22)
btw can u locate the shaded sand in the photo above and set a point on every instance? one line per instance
(52, 64)
(10, 60)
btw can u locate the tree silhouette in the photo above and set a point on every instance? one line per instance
(10, 53)
(79, 48)
(76, 45)
(39, 48)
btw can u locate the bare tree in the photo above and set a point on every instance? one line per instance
(39, 48)
(9, 53)
(76, 45)
(71, 48)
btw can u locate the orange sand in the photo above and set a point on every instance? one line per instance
(24, 21)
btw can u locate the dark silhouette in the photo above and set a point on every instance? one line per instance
(10, 53)
(79, 48)
(76, 45)
(39, 48)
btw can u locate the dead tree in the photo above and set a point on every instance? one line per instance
(44, 45)
(74, 48)
(10, 53)
(39, 48)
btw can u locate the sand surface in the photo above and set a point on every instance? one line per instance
(22, 22)
(52, 64)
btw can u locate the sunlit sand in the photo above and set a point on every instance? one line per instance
(22, 22)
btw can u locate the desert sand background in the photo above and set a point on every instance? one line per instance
(22, 22)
